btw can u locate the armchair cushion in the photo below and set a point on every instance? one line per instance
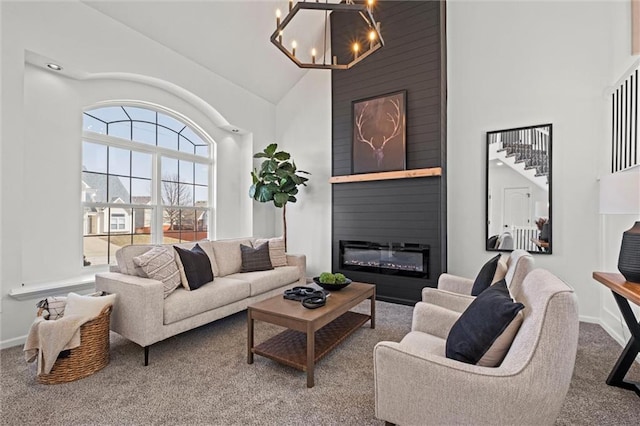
(484, 332)
(492, 272)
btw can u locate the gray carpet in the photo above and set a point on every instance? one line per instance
(201, 377)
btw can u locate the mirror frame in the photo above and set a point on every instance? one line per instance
(538, 248)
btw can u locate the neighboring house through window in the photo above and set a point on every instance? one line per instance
(145, 179)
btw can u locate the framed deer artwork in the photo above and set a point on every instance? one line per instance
(379, 133)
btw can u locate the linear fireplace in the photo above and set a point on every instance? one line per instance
(404, 259)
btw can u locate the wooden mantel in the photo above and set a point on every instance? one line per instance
(401, 174)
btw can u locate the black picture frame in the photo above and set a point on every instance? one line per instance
(379, 133)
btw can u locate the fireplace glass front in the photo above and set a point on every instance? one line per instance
(404, 259)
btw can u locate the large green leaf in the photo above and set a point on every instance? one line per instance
(280, 197)
(282, 156)
(271, 149)
(260, 155)
(263, 194)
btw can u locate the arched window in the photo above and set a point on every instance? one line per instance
(145, 179)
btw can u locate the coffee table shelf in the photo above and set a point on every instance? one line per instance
(290, 346)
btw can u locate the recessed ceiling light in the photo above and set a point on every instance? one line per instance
(54, 67)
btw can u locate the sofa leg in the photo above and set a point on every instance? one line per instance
(146, 356)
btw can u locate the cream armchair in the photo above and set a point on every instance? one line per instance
(457, 290)
(416, 384)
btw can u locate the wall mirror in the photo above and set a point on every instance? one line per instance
(519, 189)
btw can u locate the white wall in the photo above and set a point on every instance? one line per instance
(514, 64)
(41, 134)
(303, 129)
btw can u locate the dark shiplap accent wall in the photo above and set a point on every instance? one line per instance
(403, 210)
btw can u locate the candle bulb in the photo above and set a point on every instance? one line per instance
(355, 50)
(278, 14)
(335, 60)
(313, 55)
(370, 4)
(372, 38)
(293, 47)
(290, 5)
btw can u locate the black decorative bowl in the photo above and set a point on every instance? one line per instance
(331, 287)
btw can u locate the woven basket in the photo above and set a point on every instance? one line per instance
(92, 355)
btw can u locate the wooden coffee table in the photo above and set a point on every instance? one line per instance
(311, 333)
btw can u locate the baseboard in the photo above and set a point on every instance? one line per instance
(591, 320)
(16, 341)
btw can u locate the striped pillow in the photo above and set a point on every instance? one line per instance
(276, 250)
(255, 259)
(159, 264)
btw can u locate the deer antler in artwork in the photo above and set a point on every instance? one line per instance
(394, 118)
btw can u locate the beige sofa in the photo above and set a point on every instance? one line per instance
(416, 384)
(142, 314)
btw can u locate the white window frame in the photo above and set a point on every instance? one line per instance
(157, 153)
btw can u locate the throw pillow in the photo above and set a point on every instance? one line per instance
(277, 253)
(159, 264)
(255, 259)
(196, 265)
(487, 275)
(485, 325)
(52, 307)
(88, 306)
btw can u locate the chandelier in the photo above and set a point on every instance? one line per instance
(359, 51)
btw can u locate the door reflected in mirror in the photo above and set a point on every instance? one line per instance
(519, 189)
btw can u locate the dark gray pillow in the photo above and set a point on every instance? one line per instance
(197, 266)
(486, 318)
(255, 259)
(485, 276)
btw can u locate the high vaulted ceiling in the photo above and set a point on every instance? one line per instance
(230, 38)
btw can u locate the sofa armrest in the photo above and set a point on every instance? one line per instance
(433, 319)
(139, 308)
(409, 386)
(447, 299)
(455, 284)
(299, 260)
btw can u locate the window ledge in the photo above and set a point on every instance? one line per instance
(52, 288)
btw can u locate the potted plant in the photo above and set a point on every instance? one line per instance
(277, 181)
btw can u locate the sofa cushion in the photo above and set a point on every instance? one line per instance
(422, 344)
(277, 252)
(263, 281)
(194, 266)
(482, 324)
(227, 254)
(159, 264)
(492, 272)
(183, 304)
(125, 255)
(255, 259)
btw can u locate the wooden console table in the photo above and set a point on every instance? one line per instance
(624, 291)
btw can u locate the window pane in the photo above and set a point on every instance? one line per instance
(169, 169)
(167, 138)
(202, 174)
(120, 221)
(201, 196)
(186, 172)
(94, 157)
(95, 250)
(171, 225)
(118, 191)
(141, 114)
(141, 165)
(202, 223)
(109, 114)
(192, 136)
(170, 122)
(202, 150)
(144, 132)
(185, 195)
(170, 193)
(186, 146)
(142, 223)
(120, 130)
(92, 125)
(94, 188)
(140, 191)
(119, 161)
